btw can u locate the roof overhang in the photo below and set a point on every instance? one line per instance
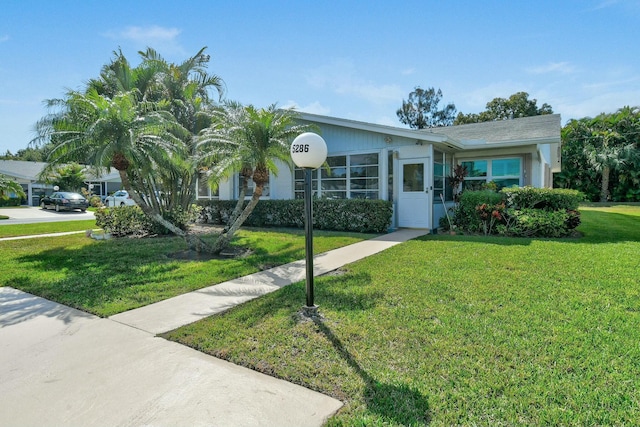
(382, 129)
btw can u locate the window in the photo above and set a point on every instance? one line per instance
(441, 176)
(333, 182)
(298, 182)
(364, 176)
(355, 176)
(413, 177)
(204, 191)
(504, 172)
(250, 186)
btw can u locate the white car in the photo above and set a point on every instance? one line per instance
(119, 198)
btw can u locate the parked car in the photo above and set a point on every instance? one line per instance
(119, 198)
(64, 200)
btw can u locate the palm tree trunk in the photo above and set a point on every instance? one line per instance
(223, 240)
(194, 242)
(604, 190)
(238, 209)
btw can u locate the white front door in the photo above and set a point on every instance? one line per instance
(413, 200)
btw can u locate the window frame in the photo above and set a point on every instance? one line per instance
(489, 177)
(319, 175)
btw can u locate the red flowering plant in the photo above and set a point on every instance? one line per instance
(490, 215)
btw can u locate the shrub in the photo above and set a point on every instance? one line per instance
(537, 223)
(521, 212)
(551, 199)
(466, 216)
(131, 221)
(365, 216)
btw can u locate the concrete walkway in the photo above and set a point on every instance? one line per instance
(64, 367)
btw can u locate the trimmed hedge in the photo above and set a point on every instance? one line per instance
(364, 216)
(11, 201)
(131, 221)
(549, 199)
(519, 212)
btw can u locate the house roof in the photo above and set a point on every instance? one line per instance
(30, 171)
(543, 129)
(372, 127)
(21, 169)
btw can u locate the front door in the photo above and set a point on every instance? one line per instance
(413, 200)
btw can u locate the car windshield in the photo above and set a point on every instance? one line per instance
(71, 195)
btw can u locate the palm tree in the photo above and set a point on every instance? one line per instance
(133, 137)
(188, 89)
(9, 187)
(247, 141)
(606, 148)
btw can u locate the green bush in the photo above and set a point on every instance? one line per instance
(521, 212)
(536, 223)
(11, 201)
(466, 215)
(365, 216)
(550, 199)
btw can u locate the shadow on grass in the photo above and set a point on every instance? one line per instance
(400, 403)
(87, 279)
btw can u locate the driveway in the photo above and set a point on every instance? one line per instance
(32, 214)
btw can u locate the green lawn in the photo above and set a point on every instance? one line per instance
(108, 277)
(460, 330)
(14, 230)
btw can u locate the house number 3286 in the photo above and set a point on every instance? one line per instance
(300, 148)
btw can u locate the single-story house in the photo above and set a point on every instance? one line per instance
(408, 167)
(411, 168)
(27, 174)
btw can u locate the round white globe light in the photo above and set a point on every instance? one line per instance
(308, 150)
(56, 188)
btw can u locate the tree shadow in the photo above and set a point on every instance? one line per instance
(18, 307)
(401, 403)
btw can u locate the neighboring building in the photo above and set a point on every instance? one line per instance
(27, 174)
(411, 167)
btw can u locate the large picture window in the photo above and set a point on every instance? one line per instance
(355, 176)
(503, 172)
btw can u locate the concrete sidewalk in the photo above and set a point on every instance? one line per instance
(64, 367)
(188, 308)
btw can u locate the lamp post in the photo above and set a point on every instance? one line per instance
(309, 152)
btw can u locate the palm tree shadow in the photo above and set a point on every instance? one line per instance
(400, 403)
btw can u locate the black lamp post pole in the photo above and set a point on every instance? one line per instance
(308, 229)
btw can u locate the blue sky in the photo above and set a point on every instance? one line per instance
(349, 59)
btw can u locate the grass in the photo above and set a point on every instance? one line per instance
(14, 230)
(112, 276)
(460, 330)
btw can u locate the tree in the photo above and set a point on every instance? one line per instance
(135, 138)
(68, 177)
(128, 119)
(8, 187)
(420, 111)
(516, 106)
(602, 150)
(248, 141)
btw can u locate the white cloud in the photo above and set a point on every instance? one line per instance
(4, 38)
(313, 108)
(408, 71)
(343, 78)
(164, 40)
(553, 67)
